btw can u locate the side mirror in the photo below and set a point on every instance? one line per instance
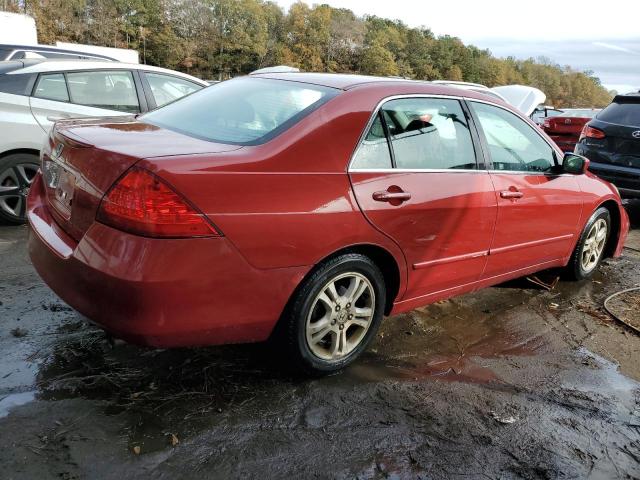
(576, 164)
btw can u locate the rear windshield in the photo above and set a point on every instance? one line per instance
(243, 111)
(621, 113)
(584, 113)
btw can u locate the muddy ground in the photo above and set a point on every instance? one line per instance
(510, 382)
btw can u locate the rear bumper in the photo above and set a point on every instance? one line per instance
(164, 293)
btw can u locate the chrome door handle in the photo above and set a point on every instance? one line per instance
(511, 194)
(385, 196)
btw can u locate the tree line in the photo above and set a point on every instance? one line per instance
(219, 39)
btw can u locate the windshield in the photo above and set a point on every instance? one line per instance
(243, 111)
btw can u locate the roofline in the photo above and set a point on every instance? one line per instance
(54, 49)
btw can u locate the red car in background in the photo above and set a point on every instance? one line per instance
(565, 128)
(306, 206)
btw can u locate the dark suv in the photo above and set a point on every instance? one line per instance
(612, 142)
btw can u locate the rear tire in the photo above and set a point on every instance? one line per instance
(334, 314)
(17, 172)
(590, 248)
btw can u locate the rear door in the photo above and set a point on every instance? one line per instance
(417, 179)
(90, 93)
(539, 210)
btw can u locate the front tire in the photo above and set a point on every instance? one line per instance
(335, 314)
(17, 172)
(590, 248)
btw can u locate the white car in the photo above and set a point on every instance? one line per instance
(36, 93)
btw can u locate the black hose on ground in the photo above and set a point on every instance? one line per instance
(634, 328)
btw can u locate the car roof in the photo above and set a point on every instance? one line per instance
(43, 66)
(350, 81)
(53, 49)
(342, 81)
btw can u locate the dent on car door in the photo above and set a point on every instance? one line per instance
(83, 94)
(416, 178)
(538, 207)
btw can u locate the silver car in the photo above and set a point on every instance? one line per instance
(36, 93)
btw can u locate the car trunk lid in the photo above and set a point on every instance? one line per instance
(84, 158)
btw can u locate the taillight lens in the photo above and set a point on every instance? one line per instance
(143, 204)
(590, 132)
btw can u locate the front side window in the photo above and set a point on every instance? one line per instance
(52, 87)
(111, 90)
(243, 111)
(513, 144)
(429, 133)
(167, 88)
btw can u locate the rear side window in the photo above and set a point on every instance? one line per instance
(513, 144)
(4, 53)
(111, 90)
(243, 111)
(16, 84)
(373, 152)
(429, 133)
(167, 88)
(52, 87)
(621, 113)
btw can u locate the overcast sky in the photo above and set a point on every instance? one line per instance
(603, 36)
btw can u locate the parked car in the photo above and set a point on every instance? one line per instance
(611, 141)
(542, 112)
(20, 52)
(564, 129)
(36, 93)
(306, 206)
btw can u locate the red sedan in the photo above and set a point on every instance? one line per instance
(565, 128)
(307, 206)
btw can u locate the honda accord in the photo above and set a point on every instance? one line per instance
(306, 206)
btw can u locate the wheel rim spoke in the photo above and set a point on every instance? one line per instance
(10, 191)
(21, 175)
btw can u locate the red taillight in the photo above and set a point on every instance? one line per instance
(141, 203)
(590, 132)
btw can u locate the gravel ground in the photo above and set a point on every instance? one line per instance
(509, 382)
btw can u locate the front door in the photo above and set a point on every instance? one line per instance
(539, 209)
(416, 178)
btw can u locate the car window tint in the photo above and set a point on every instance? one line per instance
(429, 133)
(621, 113)
(513, 144)
(17, 83)
(243, 111)
(167, 88)
(373, 152)
(112, 90)
(52, 87)
(5, 53)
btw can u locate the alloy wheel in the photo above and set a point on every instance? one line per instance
(340, 316)
(594, 245)
(15, 182)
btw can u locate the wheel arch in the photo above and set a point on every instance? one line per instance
(14, 151)
(616, 222)
(383, 259)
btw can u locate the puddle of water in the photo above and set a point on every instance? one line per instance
(15, 400)
(448, 341)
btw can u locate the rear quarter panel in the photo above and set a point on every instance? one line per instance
(288, 202)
